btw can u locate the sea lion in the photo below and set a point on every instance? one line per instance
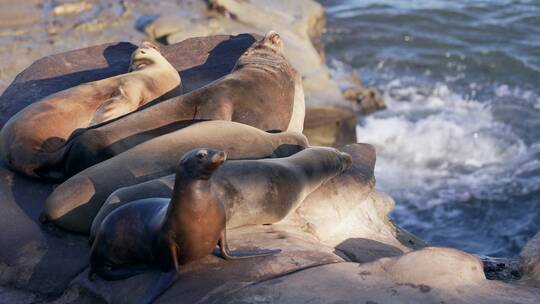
(166, 233)
(34, 139)
(260, 191)
(74, 203)
(263, 90)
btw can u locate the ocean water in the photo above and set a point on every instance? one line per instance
(459, 146)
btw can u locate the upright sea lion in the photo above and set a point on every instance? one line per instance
(260, 191)
(263, 90)
(166, 233)
(34, 140)
(74, 203)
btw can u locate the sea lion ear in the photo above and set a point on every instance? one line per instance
(149, 44)
(273, 37)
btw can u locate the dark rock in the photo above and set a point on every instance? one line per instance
(502, 269)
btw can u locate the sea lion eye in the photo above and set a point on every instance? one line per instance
(202, 154)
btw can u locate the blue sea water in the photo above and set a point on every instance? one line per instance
(459, 145)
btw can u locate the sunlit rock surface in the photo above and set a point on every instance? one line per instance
(530, 260)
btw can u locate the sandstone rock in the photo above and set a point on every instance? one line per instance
(369, 100)
(15, 13)
(530, 260)
(330, 126)
(33, 257)
(431, 275)
(71, 8)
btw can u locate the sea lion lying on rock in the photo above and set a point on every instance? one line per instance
(166, 233)
(74, 203)
(263, 90)
(34, 140)
(253, 192)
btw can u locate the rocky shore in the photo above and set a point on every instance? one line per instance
(338, 247)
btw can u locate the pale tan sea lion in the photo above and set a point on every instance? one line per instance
(167, 233)
(74, 204)
(253, 192)
(34, 139)
(263, 91)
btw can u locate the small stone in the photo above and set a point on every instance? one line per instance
(71, 8)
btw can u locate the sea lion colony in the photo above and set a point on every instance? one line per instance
(101, 142)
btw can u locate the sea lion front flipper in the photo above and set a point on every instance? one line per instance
(228, 255)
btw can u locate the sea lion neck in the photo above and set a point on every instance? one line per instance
(186, 188)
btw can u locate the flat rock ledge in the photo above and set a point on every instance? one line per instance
(338, 247)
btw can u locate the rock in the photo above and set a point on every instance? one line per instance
(502, 269)
(431, 275)
(369, 100)
(15, 13)
(71, 8)
(330, 126)
(34, 258)
(530, 260)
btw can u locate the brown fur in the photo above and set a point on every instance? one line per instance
(74, 204)
(35, 138)
(260, 191)
(167, 234)
(260, 92)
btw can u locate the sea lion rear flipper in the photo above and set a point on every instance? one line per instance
(160, 284)
(228, 255)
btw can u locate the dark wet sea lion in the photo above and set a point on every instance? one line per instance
(34, 140)
(253, 191)
(263, 91)
(74, 203)
(166, 233)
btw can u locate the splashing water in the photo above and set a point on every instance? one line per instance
(459, 145)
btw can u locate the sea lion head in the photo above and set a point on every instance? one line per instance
(272, 40)
(200, 163)
(146, 54)
(331, 158)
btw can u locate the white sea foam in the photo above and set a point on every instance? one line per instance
(433, 146)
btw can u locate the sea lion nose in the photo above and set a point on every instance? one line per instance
(222, 155)
(219, 157)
